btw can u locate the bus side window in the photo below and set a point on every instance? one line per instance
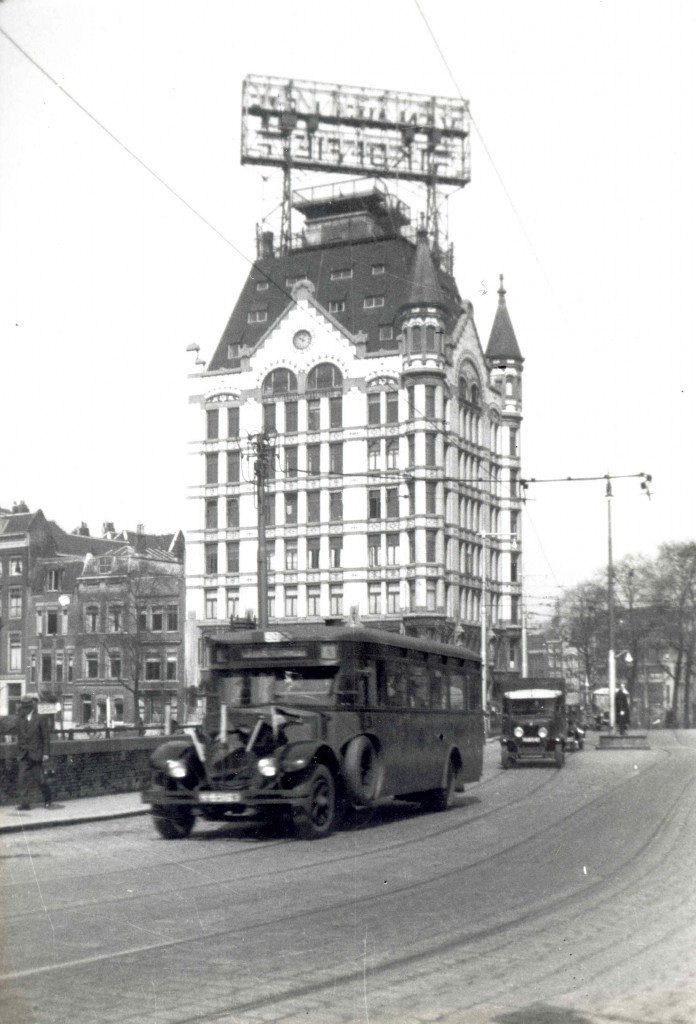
(473, 689)
(438, 693)
(349, 686)
(418, 687)
(395, 687)
(456, 691)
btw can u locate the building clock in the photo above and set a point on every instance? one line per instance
(302, 340)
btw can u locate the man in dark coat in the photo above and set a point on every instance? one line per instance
(33, 748)
(622, 707)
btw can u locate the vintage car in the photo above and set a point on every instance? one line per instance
(534, 727)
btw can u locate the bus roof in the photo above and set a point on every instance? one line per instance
(349, 634)
(532, 694)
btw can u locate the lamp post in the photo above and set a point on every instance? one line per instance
(610, 605)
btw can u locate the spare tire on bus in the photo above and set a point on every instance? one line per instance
(361, 770)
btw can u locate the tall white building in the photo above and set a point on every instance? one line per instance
(351, 375)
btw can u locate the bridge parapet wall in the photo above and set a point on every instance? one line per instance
(85, 767)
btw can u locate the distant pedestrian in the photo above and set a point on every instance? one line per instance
(33, 749)
(622, 707)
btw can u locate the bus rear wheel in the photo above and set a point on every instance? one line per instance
(318, 816)
(173, 822)
(438, 800)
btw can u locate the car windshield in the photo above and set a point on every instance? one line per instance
(308, 686)
(530, 706)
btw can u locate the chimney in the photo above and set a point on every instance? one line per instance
(108, 531)
(82, 530)
(267, 245)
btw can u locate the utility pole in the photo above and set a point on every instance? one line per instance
(645, 481)
(262, 446)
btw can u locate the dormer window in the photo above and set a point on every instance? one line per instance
(257, 316)
(377, 269)
(373, 301)
(52, 579)
(342, 274)
(337, 306)
(262, 286)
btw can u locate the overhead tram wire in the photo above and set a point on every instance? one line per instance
(161, 181)
(134, 156)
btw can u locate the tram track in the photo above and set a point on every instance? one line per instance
(336, 907)
(495, 938)
(195, 863)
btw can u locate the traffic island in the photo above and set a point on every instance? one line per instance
(629, 741)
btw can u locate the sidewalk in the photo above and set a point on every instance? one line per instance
(72, 812)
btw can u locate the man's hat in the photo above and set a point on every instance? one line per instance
(27, 699)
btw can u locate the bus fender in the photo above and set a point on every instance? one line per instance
(171, 750)
(362, 770)
(297, 757)
(454, 757)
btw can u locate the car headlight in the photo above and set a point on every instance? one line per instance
(267, 767)
(177, 769)
(518, 731)
(543, 732)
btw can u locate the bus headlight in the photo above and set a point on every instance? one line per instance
(543, 732)
(267, 767)
(518, 732)
(177, 769)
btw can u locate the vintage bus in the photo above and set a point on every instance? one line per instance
(314, 721)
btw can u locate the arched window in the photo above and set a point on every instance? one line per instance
(475, 395)
(279, 382)
(323, 377)
(416, 339)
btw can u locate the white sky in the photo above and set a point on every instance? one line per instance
(582, 194)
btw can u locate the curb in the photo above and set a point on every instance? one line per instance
(82, 819)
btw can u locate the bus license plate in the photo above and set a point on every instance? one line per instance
(219, 798)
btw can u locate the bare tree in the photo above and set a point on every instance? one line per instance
(582, 616)
(673, 600)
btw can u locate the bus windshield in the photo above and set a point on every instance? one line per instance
(270, 686)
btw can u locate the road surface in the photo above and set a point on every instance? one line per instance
(542, 897)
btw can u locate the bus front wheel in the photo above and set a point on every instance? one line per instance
(318, 816)
(173, 822)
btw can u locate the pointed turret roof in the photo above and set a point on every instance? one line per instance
(425, 286)
(502, 344)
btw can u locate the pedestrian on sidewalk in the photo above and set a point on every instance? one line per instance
(33, 750)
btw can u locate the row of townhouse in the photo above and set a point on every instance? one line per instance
(93, 625)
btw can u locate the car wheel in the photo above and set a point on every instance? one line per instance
(559, 755)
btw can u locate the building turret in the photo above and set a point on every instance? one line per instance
(424, 314)
(504, 356)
